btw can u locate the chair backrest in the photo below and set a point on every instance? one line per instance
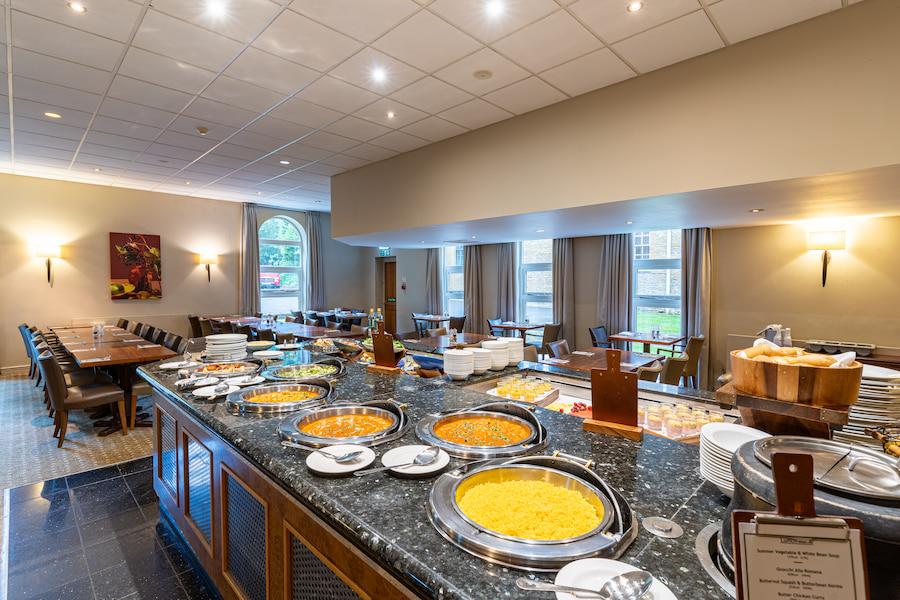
(205, 328)
(171, 341)
(672, 370)
(150, 333)
(143, 330)
(551, 334)
(651, 372)
(283, 338)
(332, 324)
(289, 319)
(599, 337)
(358, 329)
(135, 327)
(246, 330)
(558, 348)
(194, 320)
(693, 350)
(122, 323)
(530, 354)
(491, 323)
(437, 332)
(458, 323)
(160, 336)
(311, 322)
(266, 334)
(54, 380)
(26, 339)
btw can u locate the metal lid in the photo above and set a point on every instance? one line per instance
(845, 468)
(245, 400)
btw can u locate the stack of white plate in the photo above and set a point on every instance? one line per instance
(499, 353)
(483, 359)
(459, 364)
(516, 350)
(718, 443)
(226, 347)
(878, 404)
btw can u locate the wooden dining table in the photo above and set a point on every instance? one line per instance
(437, 344)
(520, 328)
(595, 358)
(646, 339)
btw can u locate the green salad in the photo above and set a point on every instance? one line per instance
(398, 347)
(306, 371)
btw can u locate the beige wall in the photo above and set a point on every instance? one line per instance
(817, 97)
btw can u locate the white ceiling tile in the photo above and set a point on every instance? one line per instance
(219, 159)
(743, 19)
(188, 124)
(241, 20)
(137, 113)
(475, 113)
(160, 149)
(462, 73)
(54, 95)
(683, 38)
(302, 152)
(237, 151)
(378, 112)
(525, 96)
(357, 129)
(108, 18)
(277, 129)
(29, 150)
(126, 128)
(182, 41)
(200, 170)
(219, 113)
(47, 37)
(305, 113)
(595, 70)
(60, 72)
(329, 141)
(612, 21)
(148, 94)
(549, 42)
(266, 70)
(427, 42)
(256, 141)
(434, 129)
(298, 39)
(241, 94)
(431, 95)
(183, 140)
(36, 160)
(399, 141)
(165, 162)
(370, 152)
(161, 171)
(344, 161)
(337, 95)
(37, 139)
(36, 110)
(471, 17)
(116, 141)
(359, 68)
(110, 155)
(323, 169)
(164, 71)
(364, 21)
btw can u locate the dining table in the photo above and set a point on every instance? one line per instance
(437, 344)
(595, 358)
(520, 328)
(646, 339)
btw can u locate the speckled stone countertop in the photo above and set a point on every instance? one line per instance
(385, 516)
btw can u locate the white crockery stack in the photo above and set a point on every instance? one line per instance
(718, 443)
(499, 353)
(226, 347)
(483, 359)
(516, 350)
(459, 364)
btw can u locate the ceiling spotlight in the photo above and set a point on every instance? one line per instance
(756, 210)
(539, 231)
(421, 241)
(77, 7)
(635, 6)
(187, 183)
(629, 222)
(473, 237)
(203, 130)
(483, 74)
(494, 8)
(97, 169)
(379, 75)
(217, 8)
(391, 114)
(284, 162)
(53, 115)
(259, 193)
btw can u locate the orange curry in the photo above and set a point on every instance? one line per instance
(341, 426)
(482, 431)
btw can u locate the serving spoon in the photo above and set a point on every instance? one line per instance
(347, 457)
(627, 586)
(425, 457)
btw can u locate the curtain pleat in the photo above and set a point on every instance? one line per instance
(472, 290)
(614, 293)
(564, 288)
(315, 296)
(696, 274)
(506, 284)
(434, 293)
(248, 265)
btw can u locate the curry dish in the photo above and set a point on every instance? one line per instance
(282, 397)
(482, 431)
(223, 368)
(345, 426)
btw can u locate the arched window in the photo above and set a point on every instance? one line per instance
(282, 265)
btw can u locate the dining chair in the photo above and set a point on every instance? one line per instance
(144, 330)
(226, 326)
(558, 348)
(284, 338)
(216, 326)
(266, 334)
(599, 337)
(134, 327)
(693, 350)
(672, 370)
(122, 323)
(530, 354)
(495, 332)
(332, 324)
(437, 332)
(419, 324)
(246, 330)
(550, 334)
(651, 372)
(196, 331)
(150, 333)
(289, 319)
(205, 328)
(172, 341)
(457, 323)
(182, 346)
(77, 397)
(311, 323)
(160, 336)
(359, 330)
(32, 363)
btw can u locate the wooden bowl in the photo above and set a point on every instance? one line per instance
(818, 386)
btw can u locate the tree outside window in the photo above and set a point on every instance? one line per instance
(282, 265)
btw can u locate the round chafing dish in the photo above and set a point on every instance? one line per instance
(609, 539)
(291, 428)
(282, 372)
(509, 411)
(242, 401)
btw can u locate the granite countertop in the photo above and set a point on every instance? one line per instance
(386, 516)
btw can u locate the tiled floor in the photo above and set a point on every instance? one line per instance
(96, 536)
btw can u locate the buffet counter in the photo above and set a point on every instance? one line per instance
(263, 526)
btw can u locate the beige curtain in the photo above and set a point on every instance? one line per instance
(564, 288)
(248, 262)
(434, 293)
(472, 290)
(506, 284)
(696, 270)
(315, 296)
(614, 294)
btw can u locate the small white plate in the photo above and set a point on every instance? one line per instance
(730, 436)
(246, 380)
(592, 573)
(268, 354)
(287, 347)
(406, 454)
(210, 391)
(320, 464)
(179, 365)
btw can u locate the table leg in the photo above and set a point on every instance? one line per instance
(646, 348)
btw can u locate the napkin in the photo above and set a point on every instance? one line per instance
(758, 342)
(556, 361)
(132, 341)
(583, 353)
(93, 360)
(626, 333)
(148, 345)
(82, 350)
(843, 360)
(123, 333)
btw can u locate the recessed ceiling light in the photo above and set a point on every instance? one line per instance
(494, 8)
(756, 210)
(203, 130)
(629, 222)
(284, 162)
(483, 74)
(539, 231)
(259, 193)
(217, 8)
(77, 7)
(97, 169)
(187, 183)
(379, 75)
(421, 241)
(391, 114)
(635, 6)
(53, 115)
(473, 237)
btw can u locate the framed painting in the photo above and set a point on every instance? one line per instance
(135, 266)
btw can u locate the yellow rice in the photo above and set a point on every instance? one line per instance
(534, 510)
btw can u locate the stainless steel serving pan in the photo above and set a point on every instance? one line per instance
(290, 428)
(279, 372)
(241, 401)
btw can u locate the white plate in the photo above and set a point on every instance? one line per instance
(880, 373)
(210, 391)
(319, 463)
(246, 380)
(203, 382)
(178, 365)
(287, 347)
(406, 454)
(730, 436)
(592, 573)
(268, 354)
(226, 337)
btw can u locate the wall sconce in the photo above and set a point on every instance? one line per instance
(49, 253)
(207, 260)
(826, 241)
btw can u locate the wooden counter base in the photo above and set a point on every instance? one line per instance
(254, 540)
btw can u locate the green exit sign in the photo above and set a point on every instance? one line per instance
(384, 250)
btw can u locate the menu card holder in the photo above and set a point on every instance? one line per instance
(793, 553)
(614, 400)
(383, 348)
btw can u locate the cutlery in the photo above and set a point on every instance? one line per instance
(338, 458)
(627, 586)
(425, 457)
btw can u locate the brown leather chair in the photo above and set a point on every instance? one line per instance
(558, 348)
(672, 370)
(359, 329)
(77, 397)
(311, 322)
(693, 349)
(436, 332)
(457, 323)
(550, 334)
(599, 337)
(26, 340)
(205, 328)
(530, 354)
(651, 372)
(194, 320)
(144, 330)
(135, 327)
(246, 330)
(122, 323)
(171, 341)
(266, 334)
(332, 324)
(284, 338)
(151, 334)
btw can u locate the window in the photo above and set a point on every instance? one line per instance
(282, 266)
(536, 281)
(657, 281)
(454, 303)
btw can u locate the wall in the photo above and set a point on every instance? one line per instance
(780, 106)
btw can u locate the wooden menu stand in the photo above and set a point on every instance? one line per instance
(614, 400)
(383, 348)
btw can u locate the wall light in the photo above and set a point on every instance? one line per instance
(48, 253)
(826, 241)
(207, 260)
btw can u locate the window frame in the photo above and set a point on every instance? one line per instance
(446, 270)
(652, 300)
(300, 270)
(523, 297)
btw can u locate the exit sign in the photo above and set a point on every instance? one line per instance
(384, 250)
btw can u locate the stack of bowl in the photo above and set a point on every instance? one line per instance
(718, 443)
(483, 359)
(459, 364)
(499, 353)
(516, 350)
